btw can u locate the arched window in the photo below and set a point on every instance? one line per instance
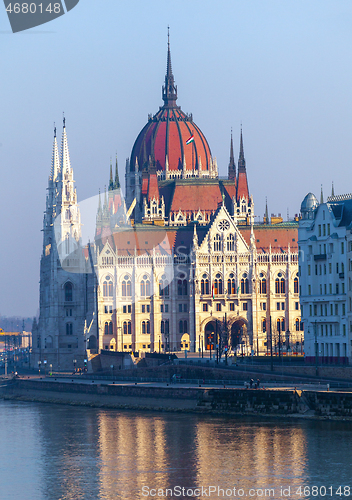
(280, 325)
(217, 243)
(69, 329)
(262, 286)
(108, 287)
(277, 286)
(145, 286)
(164, 327)
(231, 285)
(297, 324)
(183, 326)
(230, 243)
(106, 328)
(244, 284)
(127, 327)
(111, 328)
(282, 286)
(144, 328)
(204, 285)
(218, 285)
(264, 325)
(68, 292)
(164, 288)
(295, 285)
(126, 287)
(182, 287)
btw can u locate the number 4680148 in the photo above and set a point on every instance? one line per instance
(32, 8)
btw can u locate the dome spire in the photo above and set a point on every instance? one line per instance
(169, 89)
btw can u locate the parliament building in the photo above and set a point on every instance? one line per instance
(178, 263)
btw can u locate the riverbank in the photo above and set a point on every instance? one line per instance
(274, 402)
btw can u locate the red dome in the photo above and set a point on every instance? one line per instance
(166, 134)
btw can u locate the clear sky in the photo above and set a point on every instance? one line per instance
(282, 68)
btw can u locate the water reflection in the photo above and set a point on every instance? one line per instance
(73, 453)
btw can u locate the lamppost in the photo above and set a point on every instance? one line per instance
(50, 370)
(74, 365)
(39, 365)
(45, 362)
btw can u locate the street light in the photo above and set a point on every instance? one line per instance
(45, 362)
(74, 365)
(39, 365)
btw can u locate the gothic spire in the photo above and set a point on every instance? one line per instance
(117, 181)
(232, 165)
(332, 189)
(111, 182)
(241, 160)
(169, 89)
(55, 163)
(242, 182)
(266, 215)
(321, 194)
(65, 154)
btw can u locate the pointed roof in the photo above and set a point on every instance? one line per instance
(169, 89)
(55, 162)
(111, 181)
(266, 215)
(242, 182)
(65, 154)
(232, 165)
(117, 181)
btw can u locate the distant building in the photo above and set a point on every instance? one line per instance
(168, 266)
(325, 263)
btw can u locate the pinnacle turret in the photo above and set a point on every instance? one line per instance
(117, 180)
(65, 154)
(111, 181)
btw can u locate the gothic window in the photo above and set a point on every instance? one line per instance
(182, 287)
(217, 243)
(230, 243)
(68, 292)
(144, 327)
(164, 327)
(69, 329)
(262, 286)
(106, 328)
(204, 285)
(282, 286)
(111, 328)
(218, 285)
(164, 289)
(183, 326)
(277, 285)
(295, 285)
(231, 285)
(280, 325)
(145, 287)
(127, 327)
(244, 284)
(108, 287)
(297, 325)
(126, 287)
(264, 325)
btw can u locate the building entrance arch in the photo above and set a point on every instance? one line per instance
(239, 335)
(209, 335)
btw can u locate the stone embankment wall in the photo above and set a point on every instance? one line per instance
(282, 403)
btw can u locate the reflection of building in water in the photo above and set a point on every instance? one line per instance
(260, 456)
(142, 450)
(183, 253)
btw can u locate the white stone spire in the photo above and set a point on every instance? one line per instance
(65, 154)
(55, 162)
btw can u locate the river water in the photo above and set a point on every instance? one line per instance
(52, 452)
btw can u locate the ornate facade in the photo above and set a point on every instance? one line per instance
(173, 266)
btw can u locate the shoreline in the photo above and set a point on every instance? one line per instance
(235, 402)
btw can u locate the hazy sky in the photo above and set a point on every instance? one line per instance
(281, 68)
